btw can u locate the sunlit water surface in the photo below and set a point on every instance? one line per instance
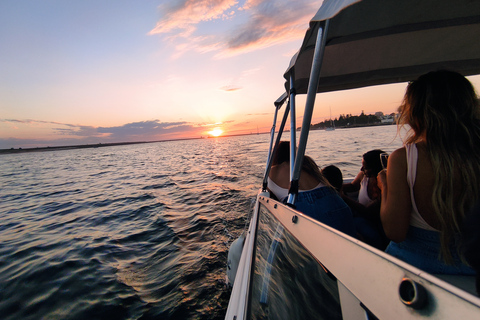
(139, 231)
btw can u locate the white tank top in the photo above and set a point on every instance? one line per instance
(279, 192)
(363, 197)
(416, 219)
(282, 193)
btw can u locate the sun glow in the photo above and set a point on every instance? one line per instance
(216, 132)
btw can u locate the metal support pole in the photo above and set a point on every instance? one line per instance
(272, 135)
(309, 105)
(293, 126)
(270, 158)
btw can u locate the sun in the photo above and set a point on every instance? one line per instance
(216, 132)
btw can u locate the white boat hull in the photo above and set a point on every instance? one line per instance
(366, 278)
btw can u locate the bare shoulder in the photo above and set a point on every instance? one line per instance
(399, 155)
(280, 174)
(358, 178)
(397, 165)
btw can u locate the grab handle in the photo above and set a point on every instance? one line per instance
(412, 294)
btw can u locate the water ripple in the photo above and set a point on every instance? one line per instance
(139, 231)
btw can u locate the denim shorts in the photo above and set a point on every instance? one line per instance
(421, 248)
(326, 206)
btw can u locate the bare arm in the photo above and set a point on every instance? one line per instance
(354, 185)
(396, 205)
(370, 212)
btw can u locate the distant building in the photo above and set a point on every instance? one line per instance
(387, 119)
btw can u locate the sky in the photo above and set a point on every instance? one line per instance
(101, 71)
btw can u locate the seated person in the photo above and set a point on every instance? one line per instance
(367, 209)
(366, 183)
(433, 181)
(334, 175)
(316, 197)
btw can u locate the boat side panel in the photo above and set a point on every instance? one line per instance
(372, 275)
(239, 296)
(288, 283)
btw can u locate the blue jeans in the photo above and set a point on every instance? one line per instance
(421, 248)
(371, 233)
(326, 206)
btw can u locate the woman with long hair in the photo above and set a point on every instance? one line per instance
(316, 197)
(434, 180)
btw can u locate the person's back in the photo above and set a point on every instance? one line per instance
(316, 198)
(423, 187)
(323, 203)
(281, 175)
(434, 179)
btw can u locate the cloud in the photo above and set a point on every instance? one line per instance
(31, 122)
(260, 114)
(182, 16)
(79, 131)
(272, 22)
(232, 84)
(230, 88)
(64, 129)
(258, 24)
(72, 134)
(214, 124)
(146, 129)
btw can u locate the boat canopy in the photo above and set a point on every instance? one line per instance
(386, 41)
(279, 102)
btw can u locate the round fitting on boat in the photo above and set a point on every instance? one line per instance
(412, 294)
(294, 219)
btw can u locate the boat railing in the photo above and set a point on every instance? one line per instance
(367, 280)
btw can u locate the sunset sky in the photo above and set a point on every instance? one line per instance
(99, 71)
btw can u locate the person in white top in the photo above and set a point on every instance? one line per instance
(366, 210)
(435, 179)
(366, 181)
(316, 197)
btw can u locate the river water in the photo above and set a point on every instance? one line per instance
(139, 231)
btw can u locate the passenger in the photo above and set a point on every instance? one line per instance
(334, 175)
(316, 197)
(365, 183)
(434, 180)
(367, 209)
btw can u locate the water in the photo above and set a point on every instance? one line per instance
(138, 231)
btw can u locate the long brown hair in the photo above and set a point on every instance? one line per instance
(442, 108)
(282, 154)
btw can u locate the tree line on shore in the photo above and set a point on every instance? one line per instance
(349, 120)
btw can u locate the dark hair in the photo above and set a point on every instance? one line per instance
(310, 167)
(442, 109)
(282, 153)
(334, 175)
(372, 161)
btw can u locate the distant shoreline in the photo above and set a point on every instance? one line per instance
(100, 145)
(81, 146)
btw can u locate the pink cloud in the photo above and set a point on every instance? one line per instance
(184, 15)
(230, 88)
(263, 23)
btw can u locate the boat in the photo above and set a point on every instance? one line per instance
(332, 124)
(289, 266)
